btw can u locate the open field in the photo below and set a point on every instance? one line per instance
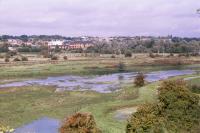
(92, 65)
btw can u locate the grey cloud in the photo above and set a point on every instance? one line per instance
(100, 17)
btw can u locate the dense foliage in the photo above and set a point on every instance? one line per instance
(79, 123)
(178, 110)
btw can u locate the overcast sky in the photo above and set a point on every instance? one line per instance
(100, 17)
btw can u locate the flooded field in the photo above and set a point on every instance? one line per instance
(102, 84)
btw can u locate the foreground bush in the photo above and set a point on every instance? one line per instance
(79, 123)
(139, 80)
(177, 111)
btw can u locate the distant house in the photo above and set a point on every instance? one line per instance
(80, 45)
(57, 43)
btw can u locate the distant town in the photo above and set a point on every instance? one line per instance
(106, 45)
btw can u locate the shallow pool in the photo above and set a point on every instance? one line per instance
(103, 84)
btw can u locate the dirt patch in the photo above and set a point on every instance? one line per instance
(123, 114)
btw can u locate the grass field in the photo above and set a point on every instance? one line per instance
(84, 67)
(22, 105)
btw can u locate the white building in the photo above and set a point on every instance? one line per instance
(52, 44)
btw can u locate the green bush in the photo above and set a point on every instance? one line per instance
(139, 80)
(79, 123)
(176, 111)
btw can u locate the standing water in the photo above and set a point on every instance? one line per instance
(102, 84)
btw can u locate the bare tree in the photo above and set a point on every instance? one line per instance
(99, 45)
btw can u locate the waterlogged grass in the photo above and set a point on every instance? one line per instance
(22, 105)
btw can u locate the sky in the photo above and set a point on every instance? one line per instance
(100, 17)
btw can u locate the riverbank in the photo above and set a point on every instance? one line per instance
(91, 66)
(21, 105)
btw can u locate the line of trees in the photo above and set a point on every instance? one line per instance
(156, 46)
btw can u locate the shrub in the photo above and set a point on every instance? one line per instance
(128, 54)
(24, 58)
(79, 123)
(65, 57)
(121, 67)
(176, 111)
(16, 59)
(7, 60)
(54, 57)
(139, 80)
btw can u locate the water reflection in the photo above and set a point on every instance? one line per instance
(102, 84)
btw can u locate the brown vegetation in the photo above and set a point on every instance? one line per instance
(79, 123)
(139, 80)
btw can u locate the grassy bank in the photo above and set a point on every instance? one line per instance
(82, 67)
(22, 105)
